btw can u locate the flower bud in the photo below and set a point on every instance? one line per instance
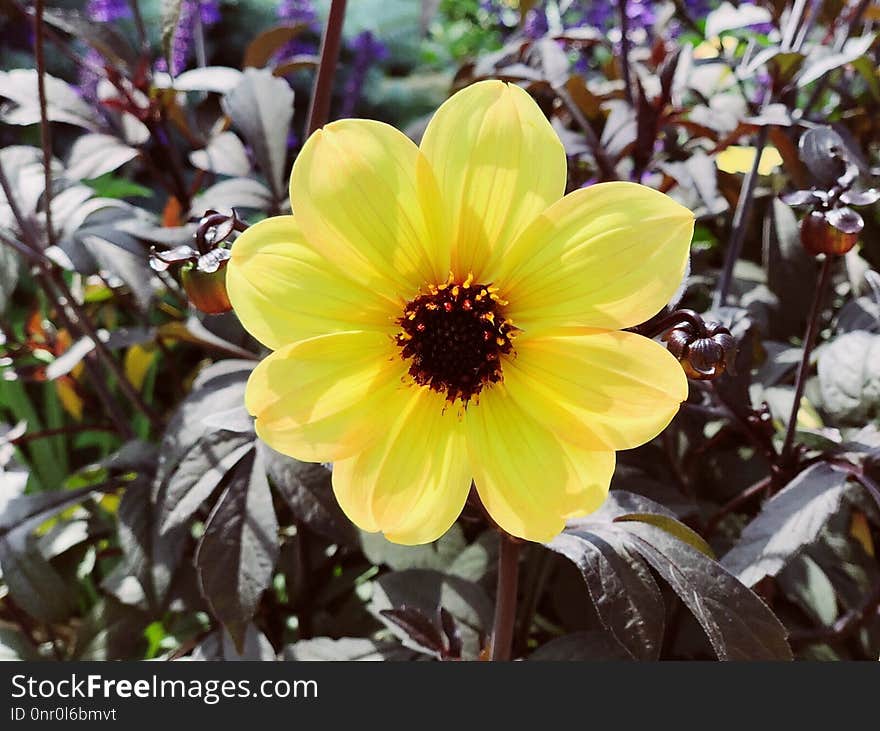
(704, 353)
(206, 290)
(820, 236)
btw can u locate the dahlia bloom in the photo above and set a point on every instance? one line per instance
(442, 315)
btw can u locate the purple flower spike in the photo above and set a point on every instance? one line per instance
(298, 11)
(535, 24)
(208, 11)
(367, 50)
(106, 11)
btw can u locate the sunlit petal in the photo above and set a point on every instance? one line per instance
(609, 256)
(412, 495)
(365, 197)
(328, 397)
(527, 478)
(599, 390)
(283, 290)
(498, 163)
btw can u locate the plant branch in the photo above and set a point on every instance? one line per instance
(804, 368)
(45, 129)
(845, 626)
(623, 19)
(505, 598)
(839, 41)
(735, 502)
(740, 221)
(319, 106)
(47, 273)
(542, 567)
(139, 26)
(96, 378)
(606, 166)
(71, 429)
(84, 324)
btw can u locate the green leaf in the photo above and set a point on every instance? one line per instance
(788, 522)
(109, 186)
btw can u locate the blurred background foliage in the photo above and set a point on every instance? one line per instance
(140, 517)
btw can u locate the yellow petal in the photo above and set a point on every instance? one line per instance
(739, 159)
(609, 256)
(328, 397)
(527, 478)
(137, 362)
(283, 290)
(599, 390)
(70, 399)
(357, 191)
(412, 483)
(498, 163)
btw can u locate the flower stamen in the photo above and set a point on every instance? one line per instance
(454, 334)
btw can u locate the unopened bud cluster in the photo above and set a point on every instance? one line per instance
(831, 226)
(203, 267)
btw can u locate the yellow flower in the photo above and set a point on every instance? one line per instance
(739, 159)
(442, 314)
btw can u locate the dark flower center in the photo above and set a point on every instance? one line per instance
(454, 335)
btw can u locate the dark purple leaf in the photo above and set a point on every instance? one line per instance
(824, 153)
(799, 198)
(237, 554)
(861, 197)
(845, 220)
(419, 628)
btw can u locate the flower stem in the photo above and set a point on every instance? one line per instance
(809, 341)
(624, 49)
(139, 26)
(319, 108)
(505, 598)
(740, 220)
(605, 164)
(45, 130)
